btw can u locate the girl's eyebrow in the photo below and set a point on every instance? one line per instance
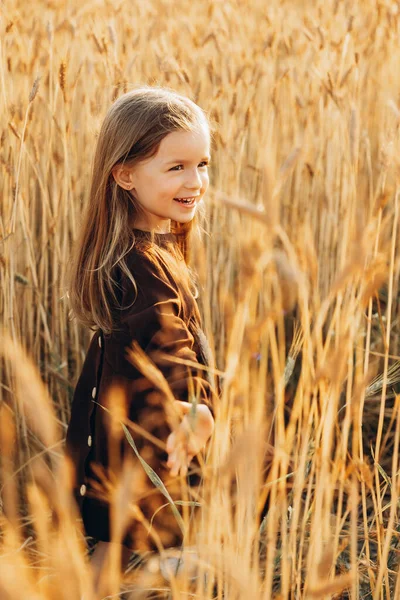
(184, 161)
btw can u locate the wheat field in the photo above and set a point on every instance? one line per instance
(299, 267)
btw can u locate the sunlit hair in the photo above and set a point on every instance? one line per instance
(132, 131)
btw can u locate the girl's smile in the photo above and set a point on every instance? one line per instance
(186, 202)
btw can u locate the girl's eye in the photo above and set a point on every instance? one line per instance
(204, 163)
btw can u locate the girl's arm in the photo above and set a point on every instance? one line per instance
(155, 321)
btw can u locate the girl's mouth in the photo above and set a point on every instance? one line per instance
(186, 202)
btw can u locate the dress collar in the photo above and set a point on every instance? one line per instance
(159, 238)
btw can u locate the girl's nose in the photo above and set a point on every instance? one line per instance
(194, 180)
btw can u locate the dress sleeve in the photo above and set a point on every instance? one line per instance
(156, 321)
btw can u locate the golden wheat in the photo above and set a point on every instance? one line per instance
(299, 271)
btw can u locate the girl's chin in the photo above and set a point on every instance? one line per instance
(184, 214)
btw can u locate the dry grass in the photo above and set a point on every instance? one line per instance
(302, 262)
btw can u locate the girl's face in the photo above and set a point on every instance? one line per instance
(178, 170)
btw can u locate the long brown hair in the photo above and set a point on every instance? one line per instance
(132, 130)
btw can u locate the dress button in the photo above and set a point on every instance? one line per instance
(82, 490)
(94, 392)
(89, 440)
(100, 341)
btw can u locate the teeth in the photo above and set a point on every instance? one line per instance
(186, 200)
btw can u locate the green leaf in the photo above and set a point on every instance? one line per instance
(180, 502)
(154, 478)
(384, 475)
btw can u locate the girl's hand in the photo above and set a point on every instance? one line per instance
(186, 441)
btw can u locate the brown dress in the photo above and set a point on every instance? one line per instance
(161, 318)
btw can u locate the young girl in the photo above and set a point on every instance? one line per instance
(130, 281)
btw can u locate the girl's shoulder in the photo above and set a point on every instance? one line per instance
(154, 263)
(147, 274)
(154, 273)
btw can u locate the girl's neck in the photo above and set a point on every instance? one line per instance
(139, 229)
(161, 228)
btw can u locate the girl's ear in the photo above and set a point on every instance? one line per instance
(123, 176)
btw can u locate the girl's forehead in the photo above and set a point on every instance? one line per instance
(197, 140)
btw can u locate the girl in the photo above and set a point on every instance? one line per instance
(130, 281)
